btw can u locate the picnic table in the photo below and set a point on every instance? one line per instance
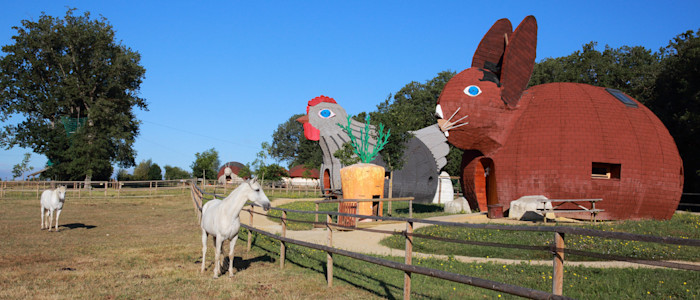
(578, 202)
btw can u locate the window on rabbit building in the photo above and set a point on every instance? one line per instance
(622, 97)
(605, 170)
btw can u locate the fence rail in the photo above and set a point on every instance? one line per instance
(126, 189)
(558, 249)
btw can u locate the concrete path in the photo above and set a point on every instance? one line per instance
(368, 242)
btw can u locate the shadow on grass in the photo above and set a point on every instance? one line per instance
(77, 225)
(241, 264)
(420, 208)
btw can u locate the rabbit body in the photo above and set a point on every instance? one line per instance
(560, 140)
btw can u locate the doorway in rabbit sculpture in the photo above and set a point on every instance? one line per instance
(560, 140)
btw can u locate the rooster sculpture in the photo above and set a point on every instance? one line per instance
(424, 154)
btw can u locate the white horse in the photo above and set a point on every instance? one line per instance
(220, 218)
(52, 200)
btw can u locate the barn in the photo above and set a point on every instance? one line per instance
(228, 173)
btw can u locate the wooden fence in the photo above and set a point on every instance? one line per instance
(558, 249)
(128, 189)
(93, 189)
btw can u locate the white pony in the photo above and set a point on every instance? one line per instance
(52, 200)
(220, 218)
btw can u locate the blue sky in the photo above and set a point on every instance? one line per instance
(225, 74)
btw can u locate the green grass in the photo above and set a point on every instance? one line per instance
(682, 225)
(579, 282)
(399, 209)
(150, 248)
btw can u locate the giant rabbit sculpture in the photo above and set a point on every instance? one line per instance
(560, 140)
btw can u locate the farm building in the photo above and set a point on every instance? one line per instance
(302, 176)
(228, 173)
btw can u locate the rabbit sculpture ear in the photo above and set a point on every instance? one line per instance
(519, 61)
(489, 53)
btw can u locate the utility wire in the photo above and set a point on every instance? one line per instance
(199, 134)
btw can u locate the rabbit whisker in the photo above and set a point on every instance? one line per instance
(460, 125)
(448, 123)
(452, 116)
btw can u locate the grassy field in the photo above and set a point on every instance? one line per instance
(682, 225)
(135, 248)
(579, 282)
(140, 248)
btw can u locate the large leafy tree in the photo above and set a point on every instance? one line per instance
(73, 87)
(272, 172)
(290, 145)
(629, 69)
(155, 173)
(206, 163)
(141, 170)
(413, 108)
(676, 101)
(175, 173)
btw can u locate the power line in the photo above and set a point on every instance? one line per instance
(199, 134)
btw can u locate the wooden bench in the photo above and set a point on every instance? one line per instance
(559, 202)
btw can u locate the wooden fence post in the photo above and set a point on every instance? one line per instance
(283, 246)
(558, 273)
(250, 237)
(409, 254)
(106, 186)
(316, 214)
(329, 256)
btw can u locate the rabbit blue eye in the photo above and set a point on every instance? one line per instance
(326, 113)
(472, 90)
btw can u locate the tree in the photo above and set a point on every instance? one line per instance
(259, 162)
(629, 69)
(245, 172)
(676, 101)
(290, 145)
(175, 173)
(22, 167)
(75, 88)
(141, 170)
(155, 173)
(123, 175)
(412, 108)
(206, 164)
(273, 172)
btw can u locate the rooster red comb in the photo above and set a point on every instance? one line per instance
(318, 100)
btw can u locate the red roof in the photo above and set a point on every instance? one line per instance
(298, 171)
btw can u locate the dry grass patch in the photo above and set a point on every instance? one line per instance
(135, 248)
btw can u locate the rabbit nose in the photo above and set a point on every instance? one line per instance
(438, 112)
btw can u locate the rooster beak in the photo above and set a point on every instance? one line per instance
(303, 119)
(310, 132)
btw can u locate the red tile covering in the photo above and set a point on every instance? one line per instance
(298, 171)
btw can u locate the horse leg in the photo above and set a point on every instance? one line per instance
(204, 248)
(230, 255)
(58, 214)
(217, 263)
(42, 217)
(50, 218)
